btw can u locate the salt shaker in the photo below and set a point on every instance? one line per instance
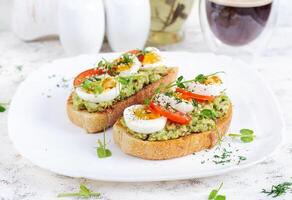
(128, 23)
(81, 26)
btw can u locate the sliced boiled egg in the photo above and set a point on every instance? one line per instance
(126, 65)
(152, 58)
(212, 86)
(140, 120)
(176, 103)
(104, 88)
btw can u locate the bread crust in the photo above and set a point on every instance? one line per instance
(98, 121)
(162, 150)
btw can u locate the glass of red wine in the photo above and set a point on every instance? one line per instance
(240, 28)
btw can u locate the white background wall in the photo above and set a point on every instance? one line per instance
(285, 15)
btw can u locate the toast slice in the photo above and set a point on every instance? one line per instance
(162, 150)
(98, 121)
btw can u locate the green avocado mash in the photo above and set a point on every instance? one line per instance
(130, 86)
(200, 122)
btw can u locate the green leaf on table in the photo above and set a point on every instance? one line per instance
(2, 108)
(84, 192)
(278, 190)
(214, 194)
(220, 197)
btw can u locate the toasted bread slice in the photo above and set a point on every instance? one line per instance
(162, 150)
(98, 121)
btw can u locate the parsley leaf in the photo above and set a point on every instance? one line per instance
(102, 151)
(246, 135)
(214, 194)
(278, 190)
(179, 82)
(84, 192)
(201, 78)
(208, 113)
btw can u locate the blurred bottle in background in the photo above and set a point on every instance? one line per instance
(167, 20)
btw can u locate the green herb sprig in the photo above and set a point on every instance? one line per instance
(3, 107)
(84, 192)
(246, 135)
(278, 190)
(102, 151)
(214, 194)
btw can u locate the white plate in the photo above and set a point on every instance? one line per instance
(40, 130)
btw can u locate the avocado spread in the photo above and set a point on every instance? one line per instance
(201, 121)
(130, 86)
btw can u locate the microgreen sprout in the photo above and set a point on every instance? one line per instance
(84, 192)
(214, 194)
(102, 151)
(246, 135)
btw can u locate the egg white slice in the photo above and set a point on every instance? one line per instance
(183, 106)
(206, 90)
(107, 95)
(133, 69)
(140, 125)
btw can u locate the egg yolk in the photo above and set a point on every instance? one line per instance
(122, 65)
(150, 58)
(212, 80)
(108, 83)
(145, 114)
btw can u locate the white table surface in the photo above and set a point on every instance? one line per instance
(20, 179)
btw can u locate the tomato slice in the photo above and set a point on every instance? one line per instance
(194, 96)
(87, 74)
(176, 117)
(138, 53)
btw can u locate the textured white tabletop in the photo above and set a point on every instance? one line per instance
(20, 179)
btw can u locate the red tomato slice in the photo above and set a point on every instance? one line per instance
(195, 96)
(87, 74)
(176, 117)
(137, 52)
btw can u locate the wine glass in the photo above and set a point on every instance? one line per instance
(239, 28)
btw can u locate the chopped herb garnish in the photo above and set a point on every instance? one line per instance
(279, 190)
(241, 158)
(214, 194)
(246, 135)
(102, 151)
(195, 103)
(84, 192)
(19, 67)
(225, 157)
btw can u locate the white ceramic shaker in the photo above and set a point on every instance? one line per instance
(128, 23)
(81, 26)
(34, 19)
